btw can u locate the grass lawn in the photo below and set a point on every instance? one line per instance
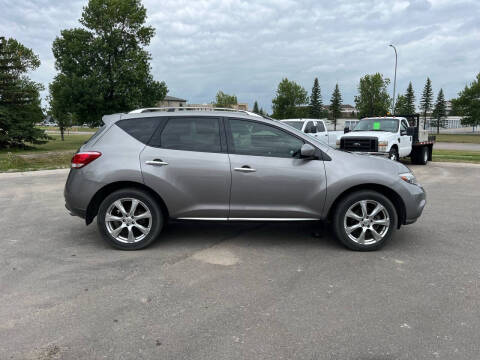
(54, 154)
(459, 138)
(456, 156)
(73, 128)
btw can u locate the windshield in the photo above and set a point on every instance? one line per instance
(390, 125)
(296, 124)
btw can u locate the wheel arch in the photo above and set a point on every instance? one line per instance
(93, 206)
(393, 196)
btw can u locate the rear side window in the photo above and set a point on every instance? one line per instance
(320, 127)
(140, 128)
(190, 134)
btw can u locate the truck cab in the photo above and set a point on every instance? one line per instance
(393, 136)
(315, 128)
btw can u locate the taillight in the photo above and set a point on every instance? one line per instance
(81, 159)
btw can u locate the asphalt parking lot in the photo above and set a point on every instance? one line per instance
(219, 291)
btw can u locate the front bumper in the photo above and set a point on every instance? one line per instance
(415, 205)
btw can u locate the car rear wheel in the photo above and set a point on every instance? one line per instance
(364, 220)
(130, 219)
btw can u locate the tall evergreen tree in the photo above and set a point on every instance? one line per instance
(255, 108)
(440, 111)
(401, 106)
(410, 100)
(316, 105)
(426, 101)
(103, 67)
(335, 105)
(19, 96)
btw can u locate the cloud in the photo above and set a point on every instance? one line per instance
(246, 47)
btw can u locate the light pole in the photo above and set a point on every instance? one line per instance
(394, 80)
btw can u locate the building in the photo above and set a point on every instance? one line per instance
(450, 122)
(239, 106)
(172, 101)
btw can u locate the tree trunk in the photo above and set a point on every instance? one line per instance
(62, 130)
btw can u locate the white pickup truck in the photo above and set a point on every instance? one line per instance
(315, 128)
(392, 136)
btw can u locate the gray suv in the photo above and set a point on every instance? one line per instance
(150, 166)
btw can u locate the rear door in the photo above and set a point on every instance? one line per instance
(186, 162)
(269, 180)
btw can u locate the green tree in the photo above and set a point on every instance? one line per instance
(103, 67)
(19, 96)
(255, 108)
(316, 105)
(467, 104)
(410, 100)
(224, 100)
(426, 101)
(372, 98)
(401, 105)
(439, 112)
(289, 98)
(335, 105)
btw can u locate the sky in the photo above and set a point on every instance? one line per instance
(246, 47)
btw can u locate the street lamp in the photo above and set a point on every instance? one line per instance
(394, 80)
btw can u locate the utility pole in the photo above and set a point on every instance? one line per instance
(394, 80)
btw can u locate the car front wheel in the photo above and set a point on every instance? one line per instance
(364, 220)
(130, 219)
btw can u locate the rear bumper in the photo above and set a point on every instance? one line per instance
(75, 212)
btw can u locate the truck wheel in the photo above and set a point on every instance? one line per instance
(364, 220)
(423, 156)
(130, 219)
(393, 154)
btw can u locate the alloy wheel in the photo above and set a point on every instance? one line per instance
(366, 222)
(128, 220)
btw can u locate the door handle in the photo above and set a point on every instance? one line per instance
(156, 162)
(245, 169)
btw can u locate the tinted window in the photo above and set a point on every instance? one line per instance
(320, 127)
(310, 127)
(253, 138)
(404, 125)
(192, 134)
(141, 129)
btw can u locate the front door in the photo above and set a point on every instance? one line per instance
(269, 180)
(187, 164)
(405, 140)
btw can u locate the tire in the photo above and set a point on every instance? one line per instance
(127, 232)
(384, 228)
(393, 154)
(422, 158)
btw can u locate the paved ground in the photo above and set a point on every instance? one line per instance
(207, 291)
(456, 146)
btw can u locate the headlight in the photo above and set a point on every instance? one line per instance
(382, 145)
(409, 178)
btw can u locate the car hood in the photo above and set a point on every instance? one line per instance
(366, 161)
(369, 133)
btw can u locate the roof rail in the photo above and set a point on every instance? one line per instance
(189, 108)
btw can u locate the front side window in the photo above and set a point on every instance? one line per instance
(256, 139)
(310, 127)
(404, 125)
(190, 134)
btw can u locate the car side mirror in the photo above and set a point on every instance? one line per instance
(307, 151)
(411, 130)
(346, 130)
